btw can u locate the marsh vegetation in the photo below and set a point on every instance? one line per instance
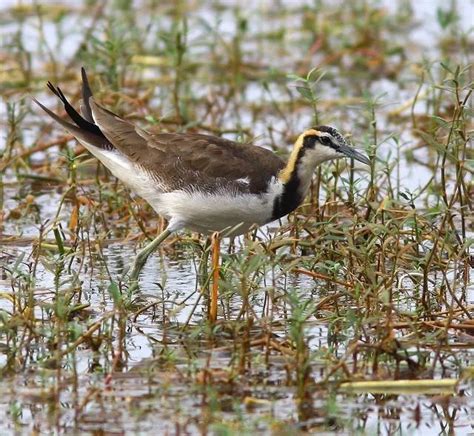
(354, 315)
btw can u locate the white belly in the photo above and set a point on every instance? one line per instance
(197, 211)
(207, 213)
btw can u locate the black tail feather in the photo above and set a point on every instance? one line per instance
(82, 126)
(86, 95)
(75, 116)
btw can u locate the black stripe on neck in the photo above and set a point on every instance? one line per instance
(291, 197)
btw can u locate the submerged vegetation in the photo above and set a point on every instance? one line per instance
(355, 314)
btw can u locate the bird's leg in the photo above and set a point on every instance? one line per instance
(216, 245)
(142, 256)
(203, 271)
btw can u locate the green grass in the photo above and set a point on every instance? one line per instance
(369, 280)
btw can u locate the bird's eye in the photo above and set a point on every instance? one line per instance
(324, 140)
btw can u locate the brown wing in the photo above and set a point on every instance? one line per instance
(181, 160)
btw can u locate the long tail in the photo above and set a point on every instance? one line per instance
(83, 126)
(86, 110)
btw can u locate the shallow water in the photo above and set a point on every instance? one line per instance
(175, 379)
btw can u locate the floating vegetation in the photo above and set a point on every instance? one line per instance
(353, 315)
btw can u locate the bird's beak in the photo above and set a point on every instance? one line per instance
(353, 153)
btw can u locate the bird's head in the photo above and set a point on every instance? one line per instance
(317, 145)
(326, 143)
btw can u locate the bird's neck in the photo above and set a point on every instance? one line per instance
(295, 178)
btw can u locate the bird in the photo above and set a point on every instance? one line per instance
(195, 181)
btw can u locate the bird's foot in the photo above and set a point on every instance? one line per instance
(132, 286)
(130, 276)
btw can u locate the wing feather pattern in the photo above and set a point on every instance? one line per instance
(177, 161)
(184, 160)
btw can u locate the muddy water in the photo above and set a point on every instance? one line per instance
(157, 394)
